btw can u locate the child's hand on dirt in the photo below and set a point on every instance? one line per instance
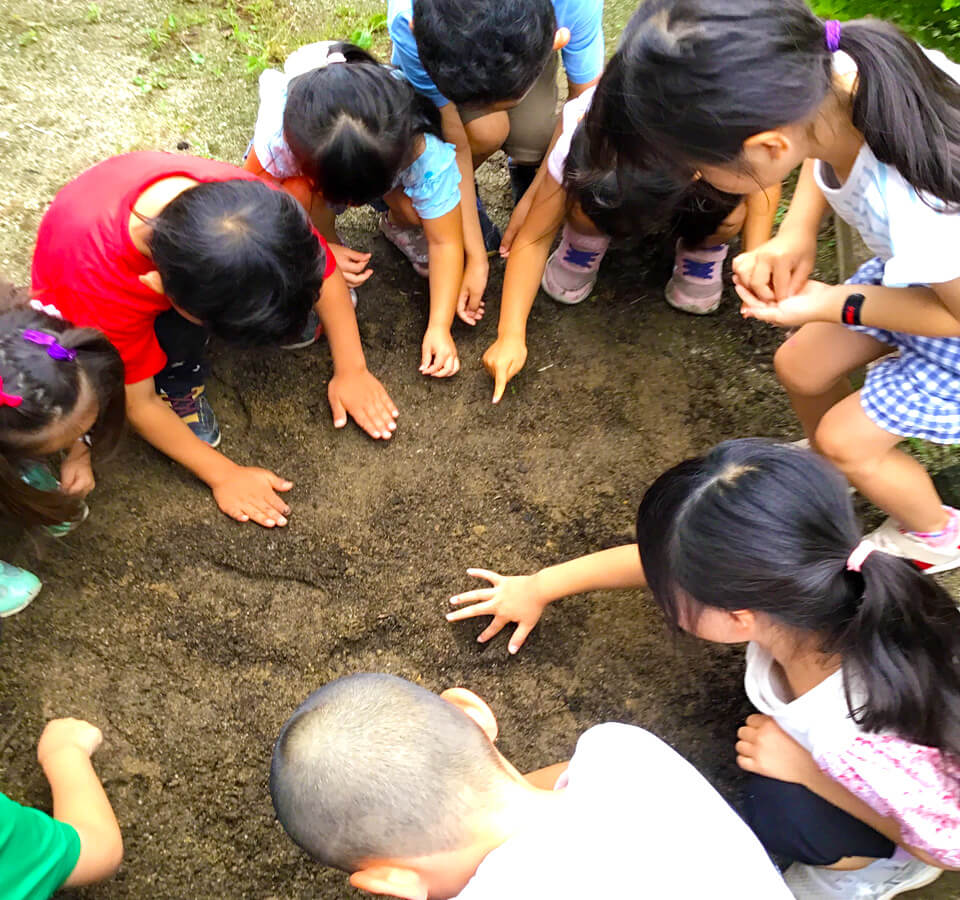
(361, 396)
(778, 268)
(513, 598)
(812, 304)
(472, 286)
(764, 748)
(439, 353)
(60, 734)
(503, 359)
(76, 473)
(250, 493)
(352, 263)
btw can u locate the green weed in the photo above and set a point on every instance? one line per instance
(94, 13)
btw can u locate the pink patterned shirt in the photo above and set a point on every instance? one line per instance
(915, 785)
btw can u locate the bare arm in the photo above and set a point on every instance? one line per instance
(761, 211)
(445, 239)
(523, 598)
(456, 134)
(521, 281)
(64, 754)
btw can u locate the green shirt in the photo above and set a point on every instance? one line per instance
(37, 853)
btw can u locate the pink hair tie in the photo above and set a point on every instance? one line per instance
(832, 30)
(8, 399)
(859, 554)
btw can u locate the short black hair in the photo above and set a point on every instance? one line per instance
(372, 766)
(480, 52)
(353, 126)
(240, 256)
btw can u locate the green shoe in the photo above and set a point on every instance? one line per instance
(17, 588)
(39, 476)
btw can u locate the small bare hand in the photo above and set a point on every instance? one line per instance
(250, 493)
(439, 353)
(352, 263)
(363, 397)
(470, 305)
(503, 359)
(778, 268)
(62, 733)
(811, 304)
(764, 748)
(512, 598)
(76, 473)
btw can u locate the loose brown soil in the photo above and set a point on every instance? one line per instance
(189, 638)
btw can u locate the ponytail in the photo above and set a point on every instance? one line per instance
(907, 109)
(901, 654)
(770, 528)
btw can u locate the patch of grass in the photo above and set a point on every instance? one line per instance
(94, 13)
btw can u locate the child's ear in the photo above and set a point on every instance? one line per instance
(470, 704)
(744, 622)
(561, 39)
(390, 881)
(153, 281)
(774, 144)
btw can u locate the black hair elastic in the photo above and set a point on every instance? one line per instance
(851, 309)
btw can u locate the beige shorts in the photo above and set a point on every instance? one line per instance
(532, 120)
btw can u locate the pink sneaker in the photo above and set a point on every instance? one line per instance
(697, 282)
(572, 269)
(411, 242)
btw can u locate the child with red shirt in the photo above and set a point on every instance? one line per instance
(157, 250)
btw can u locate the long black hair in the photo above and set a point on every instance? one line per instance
(352, 126)
(50, 389)
(693, 79)
(634, 203)
(769, 528)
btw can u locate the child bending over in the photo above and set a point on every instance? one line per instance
(157, 251)
(81, 843)
(405, 790)
(337, 129)
(491, 69)
(593, 206)
(852, 659)
(743, 93)
(61, 396)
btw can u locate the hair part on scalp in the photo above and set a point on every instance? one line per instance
(481, 52)
(373, 767)
(692, 80)
(240, 256)
(50, 390)
(353, 126)
(769, 528)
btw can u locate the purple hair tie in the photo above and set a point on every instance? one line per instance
(832, 29)
(54, 349)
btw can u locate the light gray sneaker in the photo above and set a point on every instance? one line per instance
(881, 880)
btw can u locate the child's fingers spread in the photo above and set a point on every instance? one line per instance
(470, 612)
(493, 577)
(473, 596)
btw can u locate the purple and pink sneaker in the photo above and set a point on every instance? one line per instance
(697, 282)
(572, 268)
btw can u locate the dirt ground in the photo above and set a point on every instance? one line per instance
(190, 639)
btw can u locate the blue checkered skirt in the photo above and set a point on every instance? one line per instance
(916, 391)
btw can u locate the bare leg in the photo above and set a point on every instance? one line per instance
(888, 477)
(402, 212)
(729, 228)
(580, 222)
(486, 135)
(813, 366)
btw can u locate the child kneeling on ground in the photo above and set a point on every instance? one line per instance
(405, 790)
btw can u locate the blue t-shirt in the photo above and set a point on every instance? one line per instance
(582, 57)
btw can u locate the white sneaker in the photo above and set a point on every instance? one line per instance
(880, 880)
(890, 538)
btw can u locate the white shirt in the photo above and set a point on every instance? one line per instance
(918, 242)
(637, 820)
(573, 112)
